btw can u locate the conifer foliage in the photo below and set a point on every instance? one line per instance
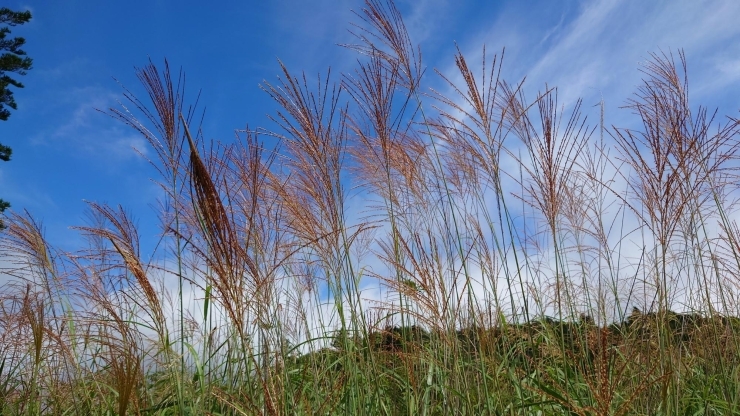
(13, 59)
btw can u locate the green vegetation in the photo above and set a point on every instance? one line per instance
(13, 59)
(528, 264)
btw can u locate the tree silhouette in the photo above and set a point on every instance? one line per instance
(12, 60)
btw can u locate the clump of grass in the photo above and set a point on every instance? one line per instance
(494, 227)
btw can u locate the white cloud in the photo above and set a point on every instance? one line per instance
(85, 132)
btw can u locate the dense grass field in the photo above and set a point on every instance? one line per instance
(385, 248)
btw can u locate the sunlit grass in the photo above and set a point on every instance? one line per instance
(385, 248)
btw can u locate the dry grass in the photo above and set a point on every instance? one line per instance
(507, 240)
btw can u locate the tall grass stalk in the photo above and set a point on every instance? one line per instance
(396, 242)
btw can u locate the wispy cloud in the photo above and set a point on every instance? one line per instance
(598, 50)
(84, 132)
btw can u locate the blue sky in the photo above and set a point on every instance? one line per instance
(66, 152)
